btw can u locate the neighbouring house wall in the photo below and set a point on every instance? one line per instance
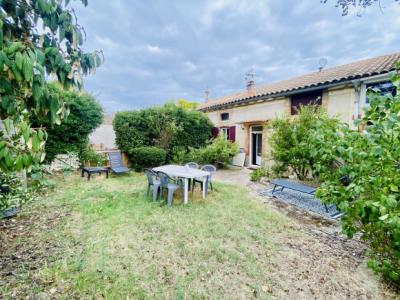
(103, 137)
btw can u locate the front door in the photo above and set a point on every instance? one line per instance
(256, 145)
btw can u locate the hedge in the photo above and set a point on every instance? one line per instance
(146, 157)
(165, 127)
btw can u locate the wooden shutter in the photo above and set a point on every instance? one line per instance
(303, 99)
(232, 133)
(215, 132)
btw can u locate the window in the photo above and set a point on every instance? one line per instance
(226, 132)
(303, 99)
(224, 116)
(385, 87)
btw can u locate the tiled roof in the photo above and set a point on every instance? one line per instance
(363, 68)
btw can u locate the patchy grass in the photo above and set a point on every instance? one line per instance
(117, 243)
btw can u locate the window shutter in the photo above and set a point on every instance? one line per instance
(232, 134)
(304, 99)
(215, 132)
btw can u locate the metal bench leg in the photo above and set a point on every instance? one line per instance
(273, 191)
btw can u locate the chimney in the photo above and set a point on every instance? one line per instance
(250, 83)
(250, 87)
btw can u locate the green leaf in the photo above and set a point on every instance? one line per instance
(35, 143)
(8, 123)
(27, 69)
(19, 60)
(19, 164)
(40, 56)
(394, 188)
(384, 217)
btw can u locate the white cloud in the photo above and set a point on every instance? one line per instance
(190, 67)
(155, 49)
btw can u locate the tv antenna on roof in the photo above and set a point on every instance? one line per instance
(249, 76)
(322, 63)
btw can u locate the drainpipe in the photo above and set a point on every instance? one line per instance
(357, 100)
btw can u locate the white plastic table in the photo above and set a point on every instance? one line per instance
(185, 173)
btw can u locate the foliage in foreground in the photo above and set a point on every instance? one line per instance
(147, 157)
(28, 57)
(366, 186)
(164, 127)
(301, 143)
(86, 114)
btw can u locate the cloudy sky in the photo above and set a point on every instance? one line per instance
(157, 50)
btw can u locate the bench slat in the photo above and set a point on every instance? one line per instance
(294, 186)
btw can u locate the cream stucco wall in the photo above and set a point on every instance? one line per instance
(338, 102)
(341, 104)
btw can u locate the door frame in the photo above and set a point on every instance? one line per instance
(251, 144)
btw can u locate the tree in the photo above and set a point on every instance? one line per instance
(187, 104)
(28, 56)
(366, 185)
(360, 4)
(86, 114)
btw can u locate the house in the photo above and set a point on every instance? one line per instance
(103, 138)
(341, 90)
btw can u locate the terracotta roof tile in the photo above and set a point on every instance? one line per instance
(364, 68)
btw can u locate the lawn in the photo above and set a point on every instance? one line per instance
(106, 239)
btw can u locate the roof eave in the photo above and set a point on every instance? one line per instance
(271, 96)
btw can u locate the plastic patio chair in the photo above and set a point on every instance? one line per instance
(152, 181)
(116, 164)
(192, 165)
(208, 168)
(167, 183)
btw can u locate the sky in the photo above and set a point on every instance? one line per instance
(157, 50)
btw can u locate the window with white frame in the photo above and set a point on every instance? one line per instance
(225, 132)
(384, 86)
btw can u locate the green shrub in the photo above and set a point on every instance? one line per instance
(166, 127)
(12, 193)
(301, 144)
(41, 179)
(146, 157)
(95, 159)
(86, 114)
(220, 152)
(365, 185)
(258, 174)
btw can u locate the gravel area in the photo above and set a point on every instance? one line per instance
(302, 200)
